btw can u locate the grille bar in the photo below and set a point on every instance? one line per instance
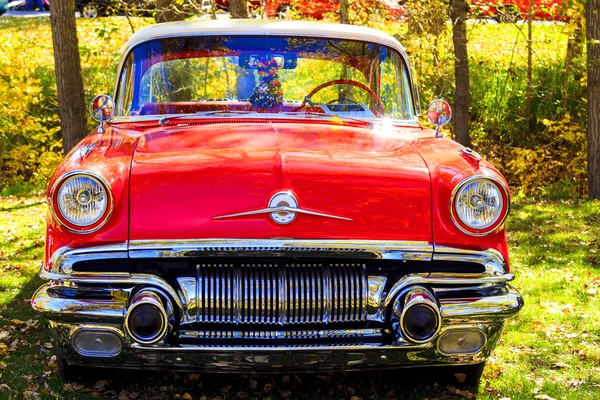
(280, 293)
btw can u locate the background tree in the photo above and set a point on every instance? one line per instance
(592, 11)
(69, 83)
(173, 10)
(425, 41)
(529, 94)
(461, 72)
(344, 19)
(238, 8)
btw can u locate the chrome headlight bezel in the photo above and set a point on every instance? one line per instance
(70, 225)
(488, 228)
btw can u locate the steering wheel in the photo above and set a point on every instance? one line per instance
(367, 89)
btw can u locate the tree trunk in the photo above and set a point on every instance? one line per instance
(574, 51)
(461, 72)
(213, 9)
(171, 10)
(529, 92)
(592, 11)
(69, 83)
(344, 19)
(238, 9)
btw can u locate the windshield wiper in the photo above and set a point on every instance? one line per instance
(167, 119)
(326, 116)
(320, 116)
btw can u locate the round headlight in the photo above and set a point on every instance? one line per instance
(82, 202)
(479, 205)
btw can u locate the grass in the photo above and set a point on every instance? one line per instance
(552, 348)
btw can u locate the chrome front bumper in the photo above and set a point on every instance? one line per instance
(101, 301)
(264, 359)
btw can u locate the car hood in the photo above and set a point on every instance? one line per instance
(187, 181)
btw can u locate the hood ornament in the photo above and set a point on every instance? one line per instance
(283, 208)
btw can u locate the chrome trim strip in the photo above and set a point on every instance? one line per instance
(63, 259)
(287, 334)
(443, 279)
(72, 309)
(116, 279)
(328, 348)
(398, 250)
(493, 308)
(373, 297)
(491, 259)
(290, 210)
(327, 294)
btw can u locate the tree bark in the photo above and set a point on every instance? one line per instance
(461, 72)
(169, 10)
(238, 9)
(592, 11)
(69, 82)
(344, 18)
(574, 51)
(529, 93)
(213, 9)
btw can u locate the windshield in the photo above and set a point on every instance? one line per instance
(191, 75)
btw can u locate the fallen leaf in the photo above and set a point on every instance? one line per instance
(463, 393)
(460, 377)
(225, 389)
(186, 396)
(559, 365)
(571, 335)
(100, 385)
(543, 397)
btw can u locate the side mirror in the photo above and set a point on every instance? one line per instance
(439, 113)
(102, 109)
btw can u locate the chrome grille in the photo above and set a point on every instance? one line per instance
(276, 293)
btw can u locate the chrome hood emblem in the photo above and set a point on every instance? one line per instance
(283, 208)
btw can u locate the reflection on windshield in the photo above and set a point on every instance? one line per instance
(264, 74)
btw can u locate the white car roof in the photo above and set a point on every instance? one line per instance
(251, 27)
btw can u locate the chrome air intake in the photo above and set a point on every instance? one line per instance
(419, 315)
(147, 318)
(276, 293)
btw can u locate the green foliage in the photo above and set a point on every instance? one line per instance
(536, 156)
(555, 170)
(28, 105)
(30, 142)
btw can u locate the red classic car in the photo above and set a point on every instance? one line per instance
(260, 196)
